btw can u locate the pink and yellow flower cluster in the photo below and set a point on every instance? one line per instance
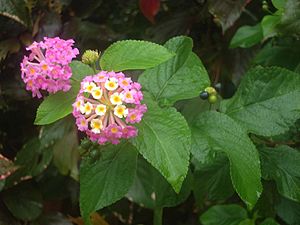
(107, 106)
(47, 66)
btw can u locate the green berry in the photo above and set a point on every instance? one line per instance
(89, 57)
(265, 7)
(212, 99)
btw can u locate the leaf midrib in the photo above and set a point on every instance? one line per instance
(171, 77)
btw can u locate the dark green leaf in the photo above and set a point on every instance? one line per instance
(267, 101)
(265, 205)
(56, 106)
(224, 215)
(247, 36)
(85, 8)
(80, 70)
(212, 181)
(218, 132)
(15, 10)
(290, 21)
(50, 134)
(182, 77)
(282, 165)
(164, 140)
(2, 184)
(24, 202)
(9, 46)
(108, 179)
(32, 159)
(132, 55)
(52, 219)
(7, 218)
(66, 154)
(289, 211)
(269, 221)
(282, 53)
(151, 190)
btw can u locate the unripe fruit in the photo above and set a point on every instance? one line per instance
(265, 6)
(211, 90)
(204, 95)
(212, 99)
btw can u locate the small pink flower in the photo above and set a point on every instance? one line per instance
(135, 115)
(47, 66)
(103, 110)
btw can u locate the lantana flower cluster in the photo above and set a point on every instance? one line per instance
(47, 66)
(107, 106)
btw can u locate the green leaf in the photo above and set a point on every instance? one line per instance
(151, 190)
(269, 24)
(212, 181)
(269, 221)
(218, 132)
(108, 179)
(32, 159)
(289, 211)
(282, 53)
(9, 46)
(182, 77)
(56, 106)
(290, 21)
(191, 108)
(266, 102)
(15, 10)
(164, 140)
(132, 55)
(282, 165)
(24, 202)
(247, 36)
(279, 4)
(66, 154)
(247, 222)
(50, 134)
(80, 70)
(224, 215)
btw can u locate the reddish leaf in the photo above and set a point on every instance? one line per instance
(7, 167)
(150, 8)
(226, 12)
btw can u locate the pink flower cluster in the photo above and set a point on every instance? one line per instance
(47, 66)
(106, 106)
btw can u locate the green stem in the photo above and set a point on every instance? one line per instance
(157, 219)
(94, 67)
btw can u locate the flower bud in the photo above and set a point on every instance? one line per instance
(90, 56)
